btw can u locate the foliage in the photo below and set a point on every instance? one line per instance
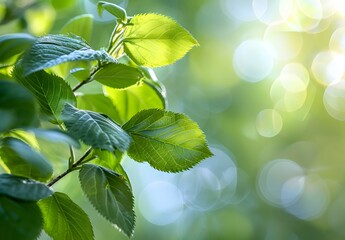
(128, 117)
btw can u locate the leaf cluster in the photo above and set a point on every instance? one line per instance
(129, 117)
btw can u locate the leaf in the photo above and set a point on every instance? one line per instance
(117, 75)
(154, 40)
(98, 103)
(113, 9)
(81, 26)
(23, 188)
(52, 50)
(17, 107)
(108, 159)
(15, 43)
(19, 219)
(94, 129)
(110, 195)
(56, 135)
(131, 100)
(63, 219)
(168, 141)
(51, 91)
(23, 161)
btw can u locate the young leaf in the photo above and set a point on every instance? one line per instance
(80, 26)
(19, 219)
(154, 40)
(113, 9)
(51, 91)
(168, 141)
(108, 159)
(22, 160)
(52, 50)
(63, 219)
(131, 100)
(15, 43)
(94, 129)
(17, 107)
(117, 75)
(23, 188)
(98, 103)
(110, 195)
(56, 135)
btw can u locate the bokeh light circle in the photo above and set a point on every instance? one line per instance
(272, 11)
(269, 123)
(280, 182)
(337, 41)
(253, 60)
(240, 10)
(161, 203)
(334, 100)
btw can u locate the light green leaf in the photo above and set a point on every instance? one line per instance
(113, 9)
(19, 219)
(117, 75)
(168, 141)
(110, 195)
(51, 91)
(22, 160)
(108, 159)
(63, 219)
(98, 103)
(56, 135)
(154, 40)
(15, 43)
(23, 188)
(95, 129)
(17, 107)
(80, 26)
(52, 50)
(131, 100)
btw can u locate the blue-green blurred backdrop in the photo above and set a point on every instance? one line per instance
(267, 87)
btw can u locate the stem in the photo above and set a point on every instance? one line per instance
(79, 85)
(70, 168)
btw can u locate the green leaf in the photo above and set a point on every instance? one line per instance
(19, 219)
(17, 107)
(98, 103)
(63, 219)
(95, 129)
(51, 91)
(110, 195)
(113, 9)
(117, 75)
(131, 100)
(52, 50)
(108, 159)
(80, 26)
(22, 160)
(154, 40)
(56, 135)
(168, 141)
(23, 188)
(12, 44)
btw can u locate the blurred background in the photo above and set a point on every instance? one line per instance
(267, 86)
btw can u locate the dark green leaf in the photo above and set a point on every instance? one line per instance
(19, 219)
(117, 75)
(52, 50)
(168, 141)
(131, 100)
(80, 26)
(98, 103)
(154, 40)
(22, 160)
(94, 129)
(51, 91)
(63, 219)
(17, 107)
(55, 135)
(12, 44)
(110, 195)
(23, 188)
(113, 9)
